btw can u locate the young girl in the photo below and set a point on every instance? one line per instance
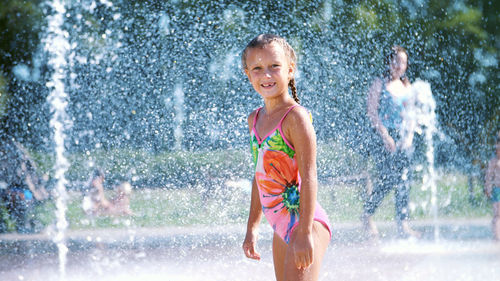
(492, 188)
(284, 154)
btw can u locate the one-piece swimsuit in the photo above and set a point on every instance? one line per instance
(495, 194)
(391, 112)
(278, 180)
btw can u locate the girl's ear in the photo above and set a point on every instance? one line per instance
(248, 74)
(291, 70)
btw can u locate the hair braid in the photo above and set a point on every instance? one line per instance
(291, 84)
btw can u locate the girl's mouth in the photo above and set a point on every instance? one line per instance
(268, 85)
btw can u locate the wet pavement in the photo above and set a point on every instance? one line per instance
(464, 251)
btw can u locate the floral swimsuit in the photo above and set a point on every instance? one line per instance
(278, 180)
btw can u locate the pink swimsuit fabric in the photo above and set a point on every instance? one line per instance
(278, 180)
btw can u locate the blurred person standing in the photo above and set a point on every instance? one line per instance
(388, 99)
(492, 188)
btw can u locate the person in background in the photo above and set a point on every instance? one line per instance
(21, 187)
(388, 98)
(492, 188)
(95, 201)
(120, 203)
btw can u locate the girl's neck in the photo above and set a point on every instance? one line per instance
(394, 78)
(275, 104)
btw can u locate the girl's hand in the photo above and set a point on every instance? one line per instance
(250, 246)
(303, 250)
(487, 191)
(389, 144)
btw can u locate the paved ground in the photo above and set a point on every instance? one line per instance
(464, 251)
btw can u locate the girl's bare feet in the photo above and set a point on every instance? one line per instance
(369, 227)
(405, 231)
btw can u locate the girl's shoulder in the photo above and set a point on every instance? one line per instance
(494, 161)
(252, 115)
(300, 111)
(297, 124)
(378, 83)
(298, 115)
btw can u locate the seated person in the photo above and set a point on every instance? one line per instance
(96, 203)
(120, 204)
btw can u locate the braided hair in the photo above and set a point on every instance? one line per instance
(263, 40)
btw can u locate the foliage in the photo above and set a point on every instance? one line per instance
(20, 26)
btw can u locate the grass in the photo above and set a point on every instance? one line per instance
(345, 203)
(194, 206)
(193, 191)
(161, 207)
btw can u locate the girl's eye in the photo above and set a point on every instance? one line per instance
(276, 65)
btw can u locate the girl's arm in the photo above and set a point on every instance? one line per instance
(300, 132)
(488, 178)
(254, 216)
(372, 111)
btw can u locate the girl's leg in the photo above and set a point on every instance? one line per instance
(402, 198)
(279, 252)
(382, 185)
(496, 220)
(386, 179)
(402, 212)
(321, 237)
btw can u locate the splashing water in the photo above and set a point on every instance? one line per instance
(420, 118)
(56, 44)
(179, 116)
(145, 80)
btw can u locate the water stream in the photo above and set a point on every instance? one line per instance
(422, 115)
(57, 46)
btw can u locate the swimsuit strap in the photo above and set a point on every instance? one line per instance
(277, 127)
(255, 119)
(286, 113)
(281, 129)
(254, 128)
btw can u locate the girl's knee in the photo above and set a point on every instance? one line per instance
(496, 210)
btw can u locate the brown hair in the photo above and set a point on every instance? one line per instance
(395, 50)
(263, 40)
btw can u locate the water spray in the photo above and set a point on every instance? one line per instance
(57, 46)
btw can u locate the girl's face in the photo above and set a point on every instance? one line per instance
(269, 70)
(399, 65)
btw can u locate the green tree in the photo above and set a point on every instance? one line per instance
(20, 26)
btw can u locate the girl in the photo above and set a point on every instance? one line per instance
(492, 188)
(284, 154)
(388, 99)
